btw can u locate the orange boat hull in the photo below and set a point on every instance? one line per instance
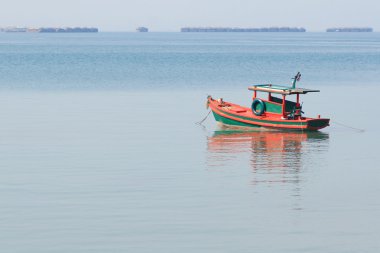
(236, 115)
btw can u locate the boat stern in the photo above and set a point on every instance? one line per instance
(316, 124)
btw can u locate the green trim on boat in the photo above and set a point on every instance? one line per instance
(299, 123)
(231, 121)
(271, 107)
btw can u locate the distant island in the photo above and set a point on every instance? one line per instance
(50, 30)
(350, 29)
(142, 29)
(236, 29)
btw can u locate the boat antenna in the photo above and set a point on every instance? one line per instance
(295, 79)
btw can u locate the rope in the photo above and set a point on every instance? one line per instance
(344, 125)
(200, 122)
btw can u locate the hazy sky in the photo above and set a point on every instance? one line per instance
(171, 15)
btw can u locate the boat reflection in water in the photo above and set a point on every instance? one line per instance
(273, 156)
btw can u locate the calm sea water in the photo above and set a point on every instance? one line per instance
(99, 150)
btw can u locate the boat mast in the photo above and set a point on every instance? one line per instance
(295, 79)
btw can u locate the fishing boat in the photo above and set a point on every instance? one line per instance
(274, 112)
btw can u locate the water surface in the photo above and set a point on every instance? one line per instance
(99, 150)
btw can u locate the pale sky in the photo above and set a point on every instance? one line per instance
(171, 15)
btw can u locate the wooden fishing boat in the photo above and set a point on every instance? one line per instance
(273, 112)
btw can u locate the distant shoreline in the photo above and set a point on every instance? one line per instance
(350, 29)
(237, 29)
(134, 31)
(50, 30)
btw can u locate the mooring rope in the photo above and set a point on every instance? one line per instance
(200, 122)
(344, 125)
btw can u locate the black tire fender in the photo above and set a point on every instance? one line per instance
(256, 102)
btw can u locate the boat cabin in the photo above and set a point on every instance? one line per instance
(274, 105)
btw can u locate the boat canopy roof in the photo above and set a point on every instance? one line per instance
(280, 89)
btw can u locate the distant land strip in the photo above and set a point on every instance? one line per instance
(349, 29)
(14, 29)
(50, 30)
(236, 29)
